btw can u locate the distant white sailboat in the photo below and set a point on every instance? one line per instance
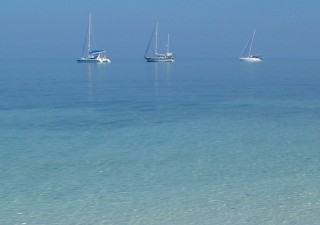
(92, 56)
(246, 53)
(159, 57)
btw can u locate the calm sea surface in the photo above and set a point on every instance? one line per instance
(203, 142)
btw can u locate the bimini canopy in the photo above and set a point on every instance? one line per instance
(96, 52)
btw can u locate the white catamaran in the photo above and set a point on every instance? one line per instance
(246, 53)
(92, 56)
(159, 57)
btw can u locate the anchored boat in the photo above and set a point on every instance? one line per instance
(89, 55)
(159, 57)
(246, 53)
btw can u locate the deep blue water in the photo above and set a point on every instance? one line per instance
(197, 141)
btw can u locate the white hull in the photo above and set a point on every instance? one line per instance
(86, 60)
(250, 59)
(150, 59)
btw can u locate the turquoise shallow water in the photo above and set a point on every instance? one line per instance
(211, 141)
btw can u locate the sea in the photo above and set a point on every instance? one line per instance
(201, 141)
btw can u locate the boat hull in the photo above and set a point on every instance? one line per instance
(85, 60)
(149, 59)
(250, 59)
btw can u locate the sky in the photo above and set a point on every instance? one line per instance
(198, 28)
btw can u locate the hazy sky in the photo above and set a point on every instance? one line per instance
(199, 28)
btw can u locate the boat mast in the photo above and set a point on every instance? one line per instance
(168, 43)
(254, 32)
(151, 38)
(156, 45)
(89, 34)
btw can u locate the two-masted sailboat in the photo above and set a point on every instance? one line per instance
(159, 57)
(89, 55)
(246, 53)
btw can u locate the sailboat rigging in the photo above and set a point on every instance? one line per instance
(158, 57)
(246, 53)
(93, 56)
